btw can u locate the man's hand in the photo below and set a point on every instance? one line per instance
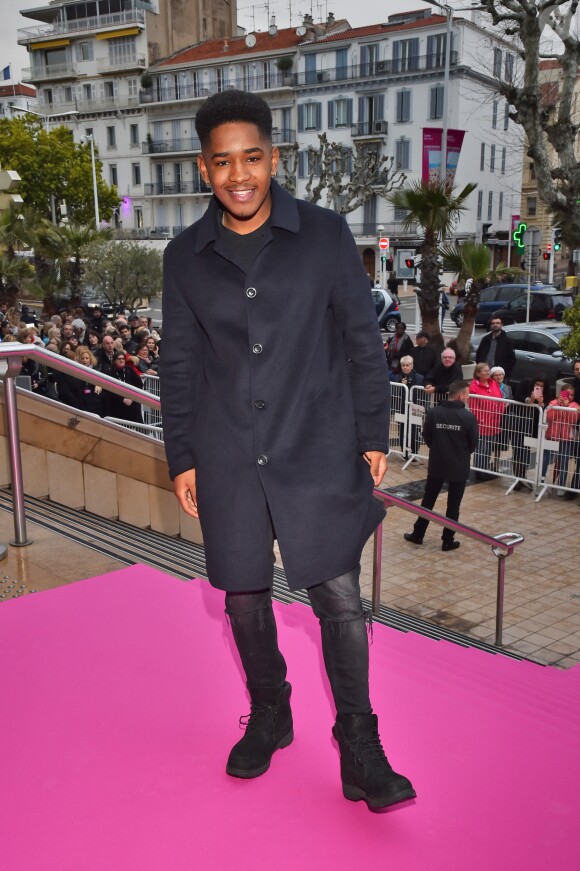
(429, 388)
(378, 465)
(184, 486)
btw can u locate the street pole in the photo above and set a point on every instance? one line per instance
(551, 261)
(95, 190)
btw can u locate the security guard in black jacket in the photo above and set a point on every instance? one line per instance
(450, 432)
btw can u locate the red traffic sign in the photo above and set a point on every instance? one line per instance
(383, 243)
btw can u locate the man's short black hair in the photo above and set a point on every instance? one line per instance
(231, 106)
(457, 387)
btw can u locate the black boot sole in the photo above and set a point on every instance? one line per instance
(248, 773)
(355, 793)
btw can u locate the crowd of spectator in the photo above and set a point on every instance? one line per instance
(125, 348)
(507, 419)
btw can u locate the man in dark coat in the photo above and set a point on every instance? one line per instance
(424, 355)
(450, 432)
(274, 393)
(443, 374)
(496, 348)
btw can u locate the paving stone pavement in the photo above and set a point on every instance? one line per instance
(457, 589)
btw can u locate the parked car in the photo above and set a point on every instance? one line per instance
(546, 303)
(490, 300)
(537, 348)
(387, 309)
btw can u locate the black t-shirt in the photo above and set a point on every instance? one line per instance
(243, 248)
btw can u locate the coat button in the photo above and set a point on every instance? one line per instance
(257, 348)
(251, 292)
(262, 460)
(259, 403)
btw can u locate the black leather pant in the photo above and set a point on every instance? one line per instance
(338, 606)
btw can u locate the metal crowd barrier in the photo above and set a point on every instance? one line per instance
(559, 450)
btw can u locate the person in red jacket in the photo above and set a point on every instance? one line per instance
(488, 412)
(562, 417)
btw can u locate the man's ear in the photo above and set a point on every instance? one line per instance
(203, 169)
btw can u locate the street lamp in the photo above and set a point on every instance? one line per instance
(46, 119)
(89, 138)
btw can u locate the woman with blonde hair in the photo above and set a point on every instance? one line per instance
(88, 395)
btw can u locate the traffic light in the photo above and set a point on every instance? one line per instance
(546, 255)
(410, 262)
(557, 238)
(485, 233)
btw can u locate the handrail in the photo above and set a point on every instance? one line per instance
(12, 350)
(13, 353)
(502, 546)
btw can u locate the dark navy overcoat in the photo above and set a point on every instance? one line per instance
(273, 384)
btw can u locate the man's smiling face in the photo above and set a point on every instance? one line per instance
(238, 162)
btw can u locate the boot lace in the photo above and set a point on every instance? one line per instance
(368, 749)
(260, 717)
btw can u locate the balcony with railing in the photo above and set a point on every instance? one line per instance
(283, 135)
(171, 146)
(176, 188)
(369, 129)
(393, 230)
(26, 35)
(111, 64)
(179, 91)
(375, 69)
(50, 72)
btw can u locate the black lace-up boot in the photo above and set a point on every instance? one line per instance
(268, 728)
(365, 770)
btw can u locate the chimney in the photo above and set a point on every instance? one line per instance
(330, 19)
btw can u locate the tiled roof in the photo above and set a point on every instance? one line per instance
(234, 46)
(17, 91)
(380, 29)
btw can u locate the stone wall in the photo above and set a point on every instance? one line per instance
(83, 462)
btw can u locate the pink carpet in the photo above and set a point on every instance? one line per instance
(120, 698)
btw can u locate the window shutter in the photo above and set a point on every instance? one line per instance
(301, 118)
(380, 107)
(349, 112)
(433, 103)
(430, 51)
(318, 116)
(362, 110)
(331, 114)
(301, 164)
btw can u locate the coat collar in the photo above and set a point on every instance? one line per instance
(284, 214)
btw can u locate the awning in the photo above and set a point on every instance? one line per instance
(55, 43)
(113, 34)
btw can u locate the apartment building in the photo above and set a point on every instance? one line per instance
(379, 86)
(87, 58)
(16, 99)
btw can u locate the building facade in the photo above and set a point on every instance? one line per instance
(87, 60)
(372, 87)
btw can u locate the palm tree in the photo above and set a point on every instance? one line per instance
(66, 246)
(472, 260)
(15, 275)
(435, 207)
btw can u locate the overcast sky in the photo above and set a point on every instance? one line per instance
(364, 12)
